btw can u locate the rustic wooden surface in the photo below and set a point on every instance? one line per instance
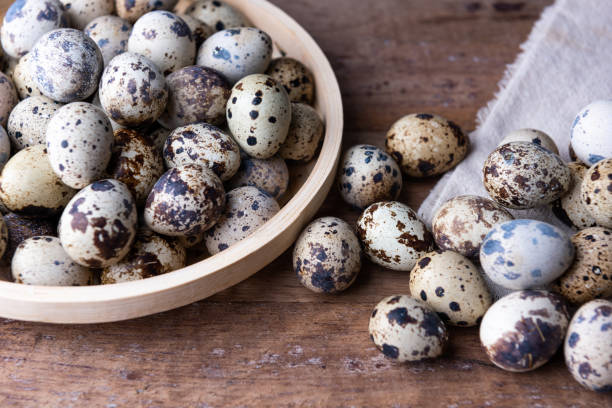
(270, 342)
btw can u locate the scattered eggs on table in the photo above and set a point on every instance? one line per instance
(111, 34)
(305, 134)
(597, 192)
(27, 124)
(590, 133)
(531, 136)
(217, 14)
(269, 175)
(295, 77)
(571, 208)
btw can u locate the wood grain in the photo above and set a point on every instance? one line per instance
(270, 342)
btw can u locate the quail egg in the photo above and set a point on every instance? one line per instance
(24, 82)
(297, 80)
(21, 227)
(590, 133)
(8, 98)
(27, 124)
(531, 136)
(570, 208)
(270, 175)
(5, 147)
(158, 136)
(305, 133)
(217, 14)
(81, 12)
(597, 192)
(132, 10)
(199, 30)
(111, 34)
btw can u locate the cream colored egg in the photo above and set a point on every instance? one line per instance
(132, 10)
(81, 12)
(8, 98)
(269, 175)
(531, 136)
(111, 34)
(24, 81)
(305, 134)
(217, 14)
(597, 192)
(295, 77)
(27, 124)
(571, 208)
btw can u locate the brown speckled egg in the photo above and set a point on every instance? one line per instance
(135, 162)
(111, 34)
(151, 255)
(205, 145)
(570, 208)
(132, 10)
(524, 329)
(524, 175)
(462, 223)
(217, 14)
(597, 192)
(270, 175)
(590, 275)
(186, 200)
(247, 209)
(4, 238)
(98, 226)
(452, 286)
(426, 145)
(305, 133)
(199, 30)
(297, 80)
(327, 256)
(23, 79)
(8, 98)
(158, 136)
(20, 228)
(81, 12)
(195, 94)
(367, 175)
(531, 136)
(27, 124)
(393, 236)
(405, 329)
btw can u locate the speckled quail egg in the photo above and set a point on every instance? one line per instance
(192, 242)
(66, 65)
(531, 136)
(27, 124)
(26, 21)
(327, 256)
(186, 200)
(21, 227)
(132, 10)
(42, 260)
(236, 52)
(111, 34)
(5, 147)
(297, 80)
(590, 275)
(205, 145)
(133, 90)
(195, 94)
(79, 141)
(270, 175)
(367, 175)
(199, 30)
(151, 255)
(96, 101)
(81, 12)
(524, 175)
(570, 208)
(217, 14)
(462, 223)
(165, 39)
(305, 133)
(588, 346)
(508, 254)
(247, 209)
(24, 82)
(426, 145)
(393, 236)
(524, 329)
(597, 192)
(590, 133)
(98, 225)
(158, 136)
(29, 186)
(405, 329)
(259, 115)
(8, 98)
(452, 286)
(135, 162)
(4, 238)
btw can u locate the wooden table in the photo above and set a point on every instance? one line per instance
(270, 342)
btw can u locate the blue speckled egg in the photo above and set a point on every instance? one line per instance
(111, 34)
(590, 134)
(525, 254)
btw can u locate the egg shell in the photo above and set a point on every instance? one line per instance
(596, 192)
(27, 124)
(305, 134)
(199, 30)
(135, 162)
(367, 175)
(23, 80)
(524, 329)
(186, 200)
(158, 136)
(151, 255)
(4, 238)
(96, 101)
(588, 346)
(571, 208)
(393, 236)
(426, 145)
(133, 90)
(406, 330)
(111, 34)
(507, 254)
(590, 275)
(204, 145)
(98, 226)
(66, 65)
(462, 223)
(165, 39)
(295, 77)
(259, 115)
(531, 136)
(217, 14)
(5, 147)
(195, 94)
(132, 10)
(524, 175)
(20, 228)
(452, 286)
(79, 142)
(236, 52)
(327, 256)
(270, 175)
(247, 209)
(590, 132)
(8, 98)
(81, 12)
(26, 21)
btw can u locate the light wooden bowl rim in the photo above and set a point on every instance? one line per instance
(105, 303)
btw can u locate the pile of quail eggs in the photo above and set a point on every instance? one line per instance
(132, 136)
(476, 242)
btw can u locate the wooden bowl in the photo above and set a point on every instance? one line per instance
(309, 186)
